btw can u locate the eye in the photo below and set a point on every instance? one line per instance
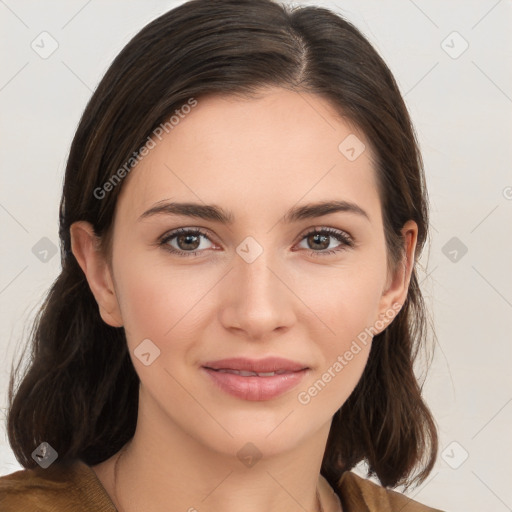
(319, 237)
(188, 241)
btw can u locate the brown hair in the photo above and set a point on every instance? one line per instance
(80, 390)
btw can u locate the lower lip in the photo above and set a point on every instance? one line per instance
(255, 388)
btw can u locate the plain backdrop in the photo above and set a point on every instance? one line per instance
(453, 63)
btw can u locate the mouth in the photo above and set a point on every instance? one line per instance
(255, 380)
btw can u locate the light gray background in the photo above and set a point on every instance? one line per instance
(461, 108)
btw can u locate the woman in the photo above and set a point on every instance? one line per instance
(238, 312)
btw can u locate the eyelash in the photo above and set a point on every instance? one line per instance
(344, 238)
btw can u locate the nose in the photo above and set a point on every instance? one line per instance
(258, 299)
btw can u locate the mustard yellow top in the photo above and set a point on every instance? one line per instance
(74, 487)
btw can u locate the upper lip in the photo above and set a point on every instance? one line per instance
(267, 364)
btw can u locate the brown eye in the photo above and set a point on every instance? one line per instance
(187, 241)
(320, 239)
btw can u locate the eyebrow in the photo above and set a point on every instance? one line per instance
(217, 214)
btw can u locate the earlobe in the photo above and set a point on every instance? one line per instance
(397, 288)
(85, 248)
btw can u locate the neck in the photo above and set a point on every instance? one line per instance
(169, 470)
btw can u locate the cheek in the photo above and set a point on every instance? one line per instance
(346, 302)
(348, 307)
(344, 351)
(156, 301)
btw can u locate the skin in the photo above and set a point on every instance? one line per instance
(256, 158)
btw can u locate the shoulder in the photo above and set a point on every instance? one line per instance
(65, 486)
(357, 491)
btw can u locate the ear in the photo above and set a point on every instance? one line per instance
(397, 285)
(85, 247)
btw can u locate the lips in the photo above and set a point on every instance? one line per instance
(251, 379)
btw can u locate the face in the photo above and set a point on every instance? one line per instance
(262, 285)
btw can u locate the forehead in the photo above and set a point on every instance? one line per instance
(255, 155)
